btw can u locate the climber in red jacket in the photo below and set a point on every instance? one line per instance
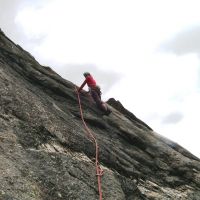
(95, 92)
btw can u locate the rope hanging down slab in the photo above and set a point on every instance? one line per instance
(99, 171)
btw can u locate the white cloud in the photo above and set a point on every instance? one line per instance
(184, 42)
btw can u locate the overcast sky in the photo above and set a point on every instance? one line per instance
(146, 54)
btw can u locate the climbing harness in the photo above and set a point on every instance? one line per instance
(99, 171)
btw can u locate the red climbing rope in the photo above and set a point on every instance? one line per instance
(99, 171)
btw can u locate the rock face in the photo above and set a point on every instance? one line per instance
(45, 153)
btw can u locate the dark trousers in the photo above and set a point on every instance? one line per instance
(96, 95)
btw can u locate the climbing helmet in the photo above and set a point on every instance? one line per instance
(86, 74)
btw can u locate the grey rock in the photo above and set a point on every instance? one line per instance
(45, 153)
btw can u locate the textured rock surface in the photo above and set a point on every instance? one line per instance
(45, 153)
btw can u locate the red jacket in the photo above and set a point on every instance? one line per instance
(90, 82)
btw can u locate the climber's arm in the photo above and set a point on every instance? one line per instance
(83, 84)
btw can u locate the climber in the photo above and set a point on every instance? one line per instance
(95, 92)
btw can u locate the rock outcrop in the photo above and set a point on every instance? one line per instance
(45, 153)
